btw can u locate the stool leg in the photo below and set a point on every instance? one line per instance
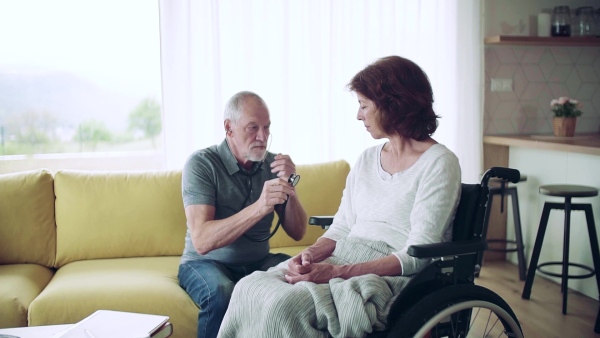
(518, 234)
(589, 215)
(564, 285)
(537, 248)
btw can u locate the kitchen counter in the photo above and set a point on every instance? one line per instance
(496, 153)
(580, 143)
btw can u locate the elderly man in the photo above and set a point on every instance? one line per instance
(230, 192)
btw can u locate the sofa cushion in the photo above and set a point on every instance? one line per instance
(320, 192)
(27, 227)
(19, 285)
(142, 284)
(114, 214)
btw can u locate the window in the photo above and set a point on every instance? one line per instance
(299, 55)
(80, 80)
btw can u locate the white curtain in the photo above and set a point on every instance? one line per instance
(299, 56)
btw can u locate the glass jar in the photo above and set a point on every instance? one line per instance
(585, 25)
(561, 21)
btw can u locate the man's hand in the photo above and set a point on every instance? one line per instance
(275, 191)
(283, 166)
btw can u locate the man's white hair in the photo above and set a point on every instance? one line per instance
(233, 110)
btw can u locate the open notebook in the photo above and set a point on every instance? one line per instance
(116, 324)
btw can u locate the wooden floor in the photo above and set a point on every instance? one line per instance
(541, 315)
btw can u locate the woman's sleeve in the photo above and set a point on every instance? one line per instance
(433, 210)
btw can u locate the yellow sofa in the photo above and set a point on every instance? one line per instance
(72, 242)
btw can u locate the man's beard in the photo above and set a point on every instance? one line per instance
(257, 154)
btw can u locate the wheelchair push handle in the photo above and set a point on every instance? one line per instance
(507, 174)
(323, 221)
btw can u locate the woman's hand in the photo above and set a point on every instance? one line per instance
(300, 264)
(323, 272)
(319, 273)
(306, 265)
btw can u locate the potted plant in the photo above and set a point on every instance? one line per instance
(566, 111)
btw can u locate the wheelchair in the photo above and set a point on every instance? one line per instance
(442, 300)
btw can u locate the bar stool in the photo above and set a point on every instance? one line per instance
(568, 192)
(517, 243)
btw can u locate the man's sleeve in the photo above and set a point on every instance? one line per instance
(197, 182)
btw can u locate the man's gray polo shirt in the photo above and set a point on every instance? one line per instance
(212, 176)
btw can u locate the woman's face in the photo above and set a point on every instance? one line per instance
(368, 113)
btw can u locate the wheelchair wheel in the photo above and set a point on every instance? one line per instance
(459, 311)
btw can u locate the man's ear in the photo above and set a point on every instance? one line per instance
(227, 125)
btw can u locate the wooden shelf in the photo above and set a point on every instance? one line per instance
(542, 41)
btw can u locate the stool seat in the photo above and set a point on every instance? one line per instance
(568, 190)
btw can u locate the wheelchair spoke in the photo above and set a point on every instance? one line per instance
(485, 321)
(490, 320)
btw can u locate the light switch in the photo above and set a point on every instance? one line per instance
(502, 85)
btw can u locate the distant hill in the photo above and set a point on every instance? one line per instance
(70, 98)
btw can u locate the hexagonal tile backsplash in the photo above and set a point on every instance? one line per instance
(540, 74)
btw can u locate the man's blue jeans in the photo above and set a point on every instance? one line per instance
(210, 285)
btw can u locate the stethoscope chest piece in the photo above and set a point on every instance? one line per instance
(294, 179)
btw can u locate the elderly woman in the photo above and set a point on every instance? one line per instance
(399, 193)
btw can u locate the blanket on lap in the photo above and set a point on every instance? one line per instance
(265, 305)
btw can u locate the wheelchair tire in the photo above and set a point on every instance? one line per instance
(453, 312)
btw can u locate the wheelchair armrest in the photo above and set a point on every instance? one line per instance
(447, 248)
(323, 221)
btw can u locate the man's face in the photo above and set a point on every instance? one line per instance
(249, 135)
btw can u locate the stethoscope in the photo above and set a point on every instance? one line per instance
(293, 180)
